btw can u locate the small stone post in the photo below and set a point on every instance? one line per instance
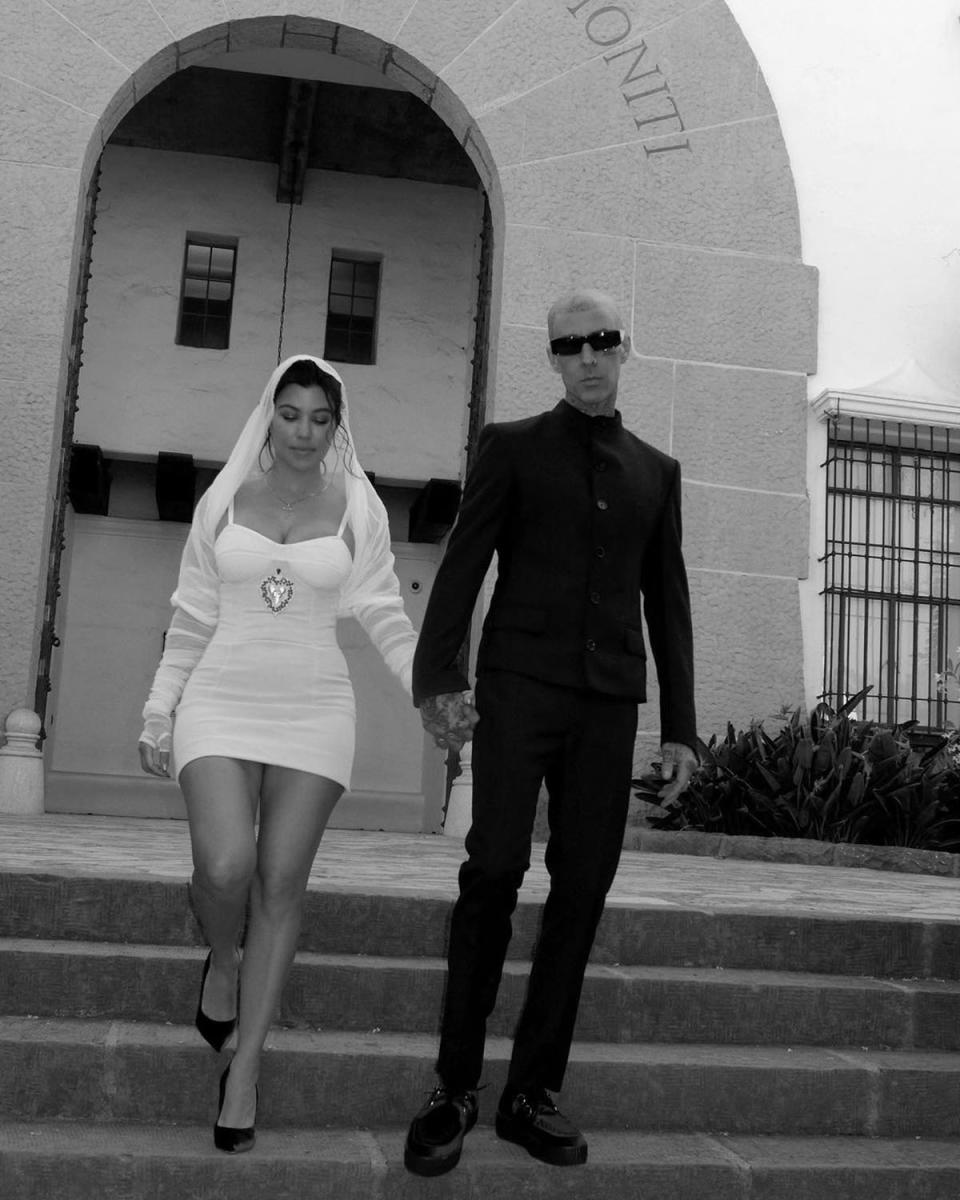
(460, 805)
(21, 765)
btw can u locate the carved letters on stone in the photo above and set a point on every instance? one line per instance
(645, 89)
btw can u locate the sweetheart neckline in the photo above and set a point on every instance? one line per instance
(324, 537)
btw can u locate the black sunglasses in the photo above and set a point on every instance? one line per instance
(600, 341)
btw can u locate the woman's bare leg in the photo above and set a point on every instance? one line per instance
(221, 795)
(294, 810)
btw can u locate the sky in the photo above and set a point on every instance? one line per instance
(868, 94)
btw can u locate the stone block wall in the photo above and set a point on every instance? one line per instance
(631, 146)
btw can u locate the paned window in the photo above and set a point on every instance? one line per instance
(892, 570)
(352, 309)
(206, 296)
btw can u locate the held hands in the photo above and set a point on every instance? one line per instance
(154, 744)
(449, 718)
(675, 756)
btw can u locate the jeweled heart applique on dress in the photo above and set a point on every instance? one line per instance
(277, 591)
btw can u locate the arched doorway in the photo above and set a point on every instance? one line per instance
(244, 214)
(618, 145)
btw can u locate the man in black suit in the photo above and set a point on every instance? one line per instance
(585, 520)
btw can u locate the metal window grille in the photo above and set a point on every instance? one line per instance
(206, 294)
(352, 310)
(892, 570)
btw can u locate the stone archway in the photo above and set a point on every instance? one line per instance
(629, 145)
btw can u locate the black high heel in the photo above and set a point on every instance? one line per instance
(233, 1141)
(214, 1032)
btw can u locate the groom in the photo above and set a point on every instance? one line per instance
(585, 520)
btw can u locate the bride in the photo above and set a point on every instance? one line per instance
(290, 535)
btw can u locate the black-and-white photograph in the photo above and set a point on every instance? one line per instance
(480, 599)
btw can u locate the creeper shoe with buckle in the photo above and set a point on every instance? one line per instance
(436, 1134)
(532, 1120)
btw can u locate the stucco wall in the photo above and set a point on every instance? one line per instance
(140, 392)
(632, 146)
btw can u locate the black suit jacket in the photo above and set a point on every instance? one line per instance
(585, 520)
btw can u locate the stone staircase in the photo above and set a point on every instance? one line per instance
(720, 1056)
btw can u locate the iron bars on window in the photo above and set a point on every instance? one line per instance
(892, 570)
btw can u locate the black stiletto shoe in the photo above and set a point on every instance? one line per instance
(214, 1032)
(233, 1141)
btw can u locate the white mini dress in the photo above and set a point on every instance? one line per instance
(272, 684)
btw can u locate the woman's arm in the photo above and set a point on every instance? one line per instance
(185, 641)
(385, 621)
(196, 608)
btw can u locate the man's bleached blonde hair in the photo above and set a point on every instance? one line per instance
(577, 301)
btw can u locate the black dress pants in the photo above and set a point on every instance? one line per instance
(581, 743)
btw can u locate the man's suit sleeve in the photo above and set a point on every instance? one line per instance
(667, 612)
(483, 511)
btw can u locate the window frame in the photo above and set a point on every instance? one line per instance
(352, 324)
(210, 242)
(891, 566)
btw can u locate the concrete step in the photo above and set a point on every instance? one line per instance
(145, 1073)
(119, 1162)
(89, 908)
(619, 1004)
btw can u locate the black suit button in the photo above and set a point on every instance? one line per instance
(602, 505)
(594, 597)
(599, 466)
(591, 644)
(600, 552)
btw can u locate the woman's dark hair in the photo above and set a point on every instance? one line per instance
(305, 373)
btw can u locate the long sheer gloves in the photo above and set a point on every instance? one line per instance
(388, 627)
(155, 743)
(184, 644)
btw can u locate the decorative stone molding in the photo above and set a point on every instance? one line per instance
(909, 395)
(21, 765)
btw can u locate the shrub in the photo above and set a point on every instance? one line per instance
(826, 776)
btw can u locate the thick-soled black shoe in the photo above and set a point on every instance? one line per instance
(533, 1121)
(214, 1032)
(436, 1133)
(228, 1139)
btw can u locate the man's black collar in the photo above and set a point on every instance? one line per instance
(582, 420)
